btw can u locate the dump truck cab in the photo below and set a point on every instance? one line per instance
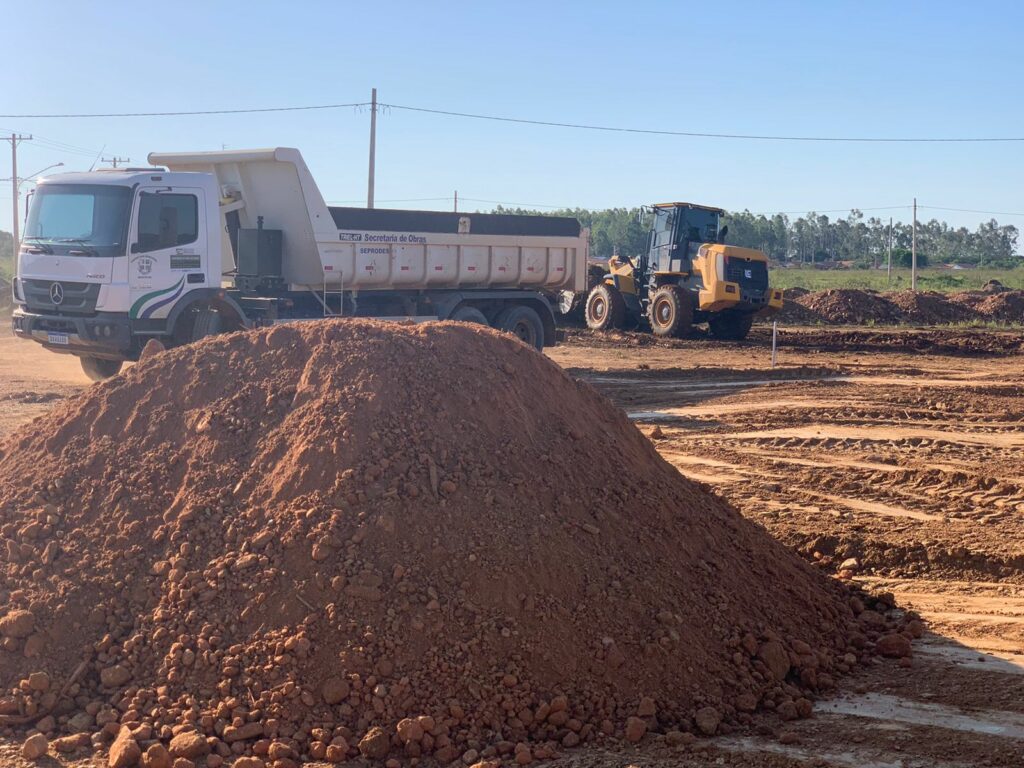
(687, 275)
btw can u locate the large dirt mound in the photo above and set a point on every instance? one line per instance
(283, 540)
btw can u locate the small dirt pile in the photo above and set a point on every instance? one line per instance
(850, 306)
(1006, 307)
(930, 308)
(1003, 306)
(355, 537)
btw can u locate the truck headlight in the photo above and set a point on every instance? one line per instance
(16, 289)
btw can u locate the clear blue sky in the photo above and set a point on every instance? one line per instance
(807, 68)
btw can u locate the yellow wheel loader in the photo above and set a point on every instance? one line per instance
(687, 276)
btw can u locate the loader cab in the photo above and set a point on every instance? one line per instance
(677, 231)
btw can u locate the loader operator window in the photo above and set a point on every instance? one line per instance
(167, 220)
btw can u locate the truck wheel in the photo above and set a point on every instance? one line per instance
(731, 326)
(523, 323)
(469, 314)
(207, 323)
(98, 369)
(606, 309)
(670, 312)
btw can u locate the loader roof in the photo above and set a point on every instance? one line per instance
(689, 205)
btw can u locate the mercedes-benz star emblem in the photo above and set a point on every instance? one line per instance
(56, 293)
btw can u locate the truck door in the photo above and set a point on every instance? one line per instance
(167, 256)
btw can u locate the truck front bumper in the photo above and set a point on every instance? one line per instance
(106, 335)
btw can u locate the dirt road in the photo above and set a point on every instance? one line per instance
(892, 456)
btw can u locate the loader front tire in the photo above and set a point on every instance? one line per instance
(670, 312)
(606, 309)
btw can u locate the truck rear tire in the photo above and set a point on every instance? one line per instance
(207, 323)
(670, 312)
(606, 309)
(523, 323)
(731, 326)
(98, 369)
(468, 314)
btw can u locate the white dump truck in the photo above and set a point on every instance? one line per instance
(210, 242)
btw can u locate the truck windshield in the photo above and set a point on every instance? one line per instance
(87, 218)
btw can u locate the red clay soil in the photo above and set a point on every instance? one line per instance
(852, 306)
(930, 308)
(355, 537)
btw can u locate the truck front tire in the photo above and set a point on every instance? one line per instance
(730, 325)
(606, 309)
(207, 323)
(523, 323)
(98, 369)
(670, 312)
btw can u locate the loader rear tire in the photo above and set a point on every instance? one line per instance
(731, 326)
(670, 312)
(606, 309)
(98, 369)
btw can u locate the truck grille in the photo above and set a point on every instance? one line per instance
(751, 275)
(74, 298)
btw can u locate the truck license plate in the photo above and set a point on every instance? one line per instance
(57, 338)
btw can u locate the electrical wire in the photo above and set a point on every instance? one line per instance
(695, 134)
(186, 114)
(831, 210)
(971, 210)
(392, 200)
(518, 205)
(528, 121)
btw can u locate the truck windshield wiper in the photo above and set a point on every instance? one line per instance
(85, 245)
(38, 245)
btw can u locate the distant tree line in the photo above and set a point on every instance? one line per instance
(815, 238)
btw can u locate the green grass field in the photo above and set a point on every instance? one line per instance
(944, 280)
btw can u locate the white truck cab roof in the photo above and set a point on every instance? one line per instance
(124, 177)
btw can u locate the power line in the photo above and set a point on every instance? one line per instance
(518, 205)
(528, 121)
(972, 210)
(831, 210)
(392, 200)
(694, 134)
(186, 114)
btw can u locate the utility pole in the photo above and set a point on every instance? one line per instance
(456, 201)
(115, 160)
(913, 252)
(15, 140)
(373, 147)
(888, 269)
